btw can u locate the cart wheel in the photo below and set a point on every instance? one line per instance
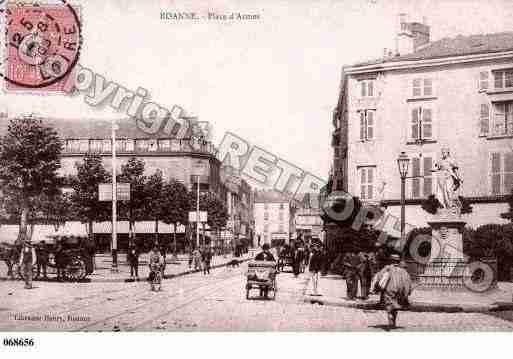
(75, 270)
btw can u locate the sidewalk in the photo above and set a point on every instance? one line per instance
(103, 262)
(333, 293)
(173, 269)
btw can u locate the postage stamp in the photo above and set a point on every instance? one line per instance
(42, 46)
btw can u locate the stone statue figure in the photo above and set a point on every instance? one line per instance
(448, 182)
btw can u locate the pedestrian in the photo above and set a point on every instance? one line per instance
(156, 264)
(90, 251)
(132, 257)
(27, 262)
(351, 275)
(59, 261)
(365, 274)
(206, 258)
(197, 259)
(315, 266)
(191, 257)
(163, 254)
(42, 259)
(394, 284)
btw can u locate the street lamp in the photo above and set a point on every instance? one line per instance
(403, 163)
(114, 247)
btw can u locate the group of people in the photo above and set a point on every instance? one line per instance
(201, 258)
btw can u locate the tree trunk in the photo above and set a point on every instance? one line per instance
(22, 234)
(174, 237)
(156, 229)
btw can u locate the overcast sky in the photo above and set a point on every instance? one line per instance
(273, 81)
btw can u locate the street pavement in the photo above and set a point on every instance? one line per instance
(197, 302)
(333, 290)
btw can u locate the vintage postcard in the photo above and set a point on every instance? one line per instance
(230, 165)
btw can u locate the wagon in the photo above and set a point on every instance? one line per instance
(261, 275)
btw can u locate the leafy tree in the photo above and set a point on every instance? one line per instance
(217, 212)
(29, 160)
(154, 186)
(137, 207)
(176, 204)
(85, 203)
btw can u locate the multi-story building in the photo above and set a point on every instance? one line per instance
(455, 93)
(273, 213)
(185, 160)
(239, 202)
(307, 218)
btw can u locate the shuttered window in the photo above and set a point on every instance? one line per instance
(367, 182)
(422, 181)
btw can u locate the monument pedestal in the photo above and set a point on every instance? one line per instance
(446, 267)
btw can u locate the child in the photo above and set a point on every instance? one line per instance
(156, 265)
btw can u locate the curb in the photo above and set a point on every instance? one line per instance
(414, 306)
(167, 276)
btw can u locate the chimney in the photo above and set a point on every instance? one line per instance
(411, 35)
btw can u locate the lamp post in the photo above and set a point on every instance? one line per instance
(403, 163)
(114, 246)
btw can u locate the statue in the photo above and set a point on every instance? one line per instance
(448, 183)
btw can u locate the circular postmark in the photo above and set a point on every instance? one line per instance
(42, 43)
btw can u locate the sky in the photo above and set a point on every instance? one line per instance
(272, 81)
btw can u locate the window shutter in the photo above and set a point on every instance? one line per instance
(484, 123)
(363, 178)
(415, 181)
(498, 79)
(370, 125)
(428, 87)
(428, 178)
(362, 125)
(483, 80)
(415, 124)
(363, 86)
(370, 181)
(370, 90)
(417, 91)
(496, 173)
(499, 120)
(508, 172)
(427, 123)
(509, 120)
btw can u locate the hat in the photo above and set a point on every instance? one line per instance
(395, 257)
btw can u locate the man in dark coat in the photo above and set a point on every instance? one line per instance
(365, 274)
(42, 259)
(132, 257)
(351, 274)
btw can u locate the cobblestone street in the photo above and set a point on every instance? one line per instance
(205, 302)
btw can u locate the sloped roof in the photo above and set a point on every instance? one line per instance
(455, 46)
(87, 128)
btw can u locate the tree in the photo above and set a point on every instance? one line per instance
(176, 205)
(85, 203)
(154, 186)
(217, 212)
(29, 160)
(137, 207)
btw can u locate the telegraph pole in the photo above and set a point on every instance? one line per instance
(114, 247)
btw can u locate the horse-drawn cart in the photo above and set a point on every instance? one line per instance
(261, 275)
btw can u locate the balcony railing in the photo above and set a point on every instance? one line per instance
(142, 146)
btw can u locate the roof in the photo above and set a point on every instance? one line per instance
(87, 128)
(456, 46)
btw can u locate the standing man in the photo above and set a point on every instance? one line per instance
(315, 267)
(42, 259)
(394, 284)
(27, 262)
(206, 258)
(351, 275)
(132, 257)
(365, 273)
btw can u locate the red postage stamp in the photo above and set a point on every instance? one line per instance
(43, 45)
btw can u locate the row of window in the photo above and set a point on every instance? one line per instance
(424, 87)
(500, 174)
(266, 206)
(494, 120)
(280, 215)
(281, 228)
(130, 145)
